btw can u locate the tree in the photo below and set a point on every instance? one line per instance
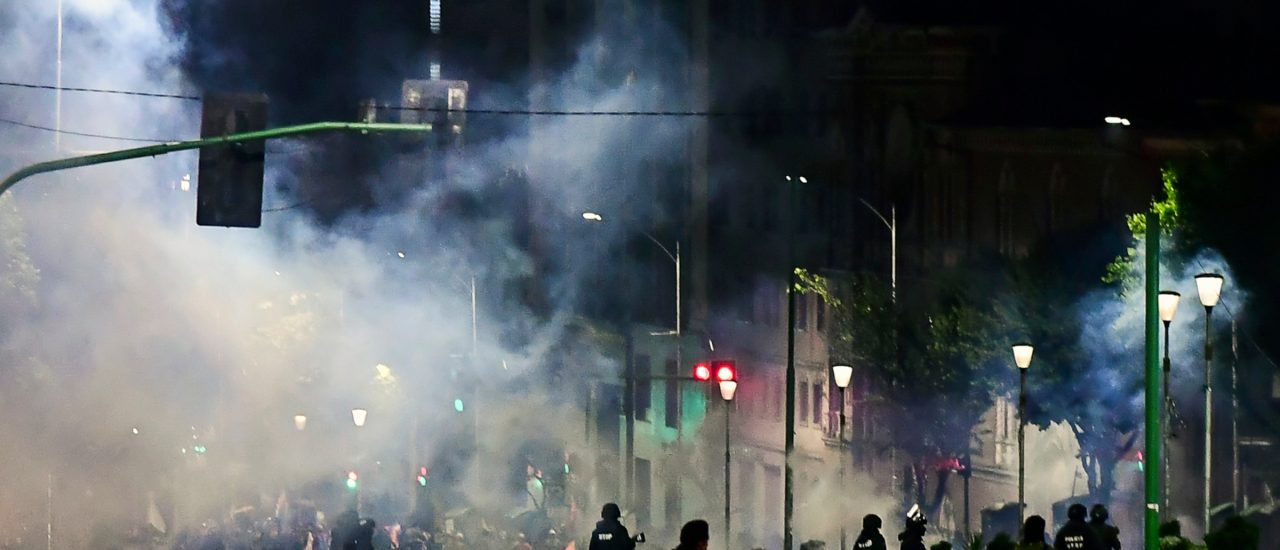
(933, 359)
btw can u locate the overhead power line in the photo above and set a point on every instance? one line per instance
(98, 91)
(515, 112)
(82, 134)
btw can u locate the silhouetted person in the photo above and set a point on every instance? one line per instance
(1076, 534)
(610, 533)
(913, 537)
(695, 535)
(870, 537)
(1033, 535)
(1108, 535)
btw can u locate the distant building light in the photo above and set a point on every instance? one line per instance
(435, 71)
(435, 16)
(1116, 120)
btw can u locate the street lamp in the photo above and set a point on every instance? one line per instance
(300, 421)
(727, 390)
(842, 374)
(1168, 305)
(358, 416)
(1022, 358)
(1209, 286)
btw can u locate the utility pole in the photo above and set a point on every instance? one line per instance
(57, 94)
(1235, 418)
(789, 446)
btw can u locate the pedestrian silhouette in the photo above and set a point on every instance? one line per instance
(1108, 535)
(695, 535)
(1076, 534)
(870, 537)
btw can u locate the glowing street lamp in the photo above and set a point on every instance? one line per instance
(358, 416)
(592, 217)
(1168, 306)
(1022, 358)
(728, 388)
(1209, 286)
(300, 421)
(842, 375)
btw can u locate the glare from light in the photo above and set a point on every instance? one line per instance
(300, 421)
(1168, 305)
(803, 180)
(842, 375)
(1210, 287)
(400, 254)
(359, 416)
(592, 216)
(1022, 355)
(1116, 120)
(727, 389)
(711, 344)
(135, 431)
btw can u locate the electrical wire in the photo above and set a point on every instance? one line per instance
(83, 134)
(98, 91)
(1243, 329)
(516, 112)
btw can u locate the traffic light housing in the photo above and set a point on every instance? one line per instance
(229, 188)
(423, 476)
(702, 372)
(725, 371)
(353, 480)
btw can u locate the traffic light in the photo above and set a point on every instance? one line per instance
(702, 372)
(725, 371)
(458, 405)
(353, 480)
(422, 476)
(229, 188)
(200, 449)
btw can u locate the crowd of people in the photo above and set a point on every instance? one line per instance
(1084, 530)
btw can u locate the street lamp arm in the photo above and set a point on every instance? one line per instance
(170, 147)
(660, 245)
(876, 212)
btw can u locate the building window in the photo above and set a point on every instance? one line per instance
(776, 391)
(804, 404)
(671, 503)
(802, 311)
(817, 403)
(820, 314)
(643, 387)
(673, 395)
(644, 496)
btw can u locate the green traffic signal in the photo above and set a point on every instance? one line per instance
(199, 449)
(458, 406)
(353, 480)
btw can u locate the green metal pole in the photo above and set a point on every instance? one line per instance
(1151, 525)
(171, 147)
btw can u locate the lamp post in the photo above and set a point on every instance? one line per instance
(841, 375)
(892, 225)
(1168, 304)
(1022, 358)
(630, 382)
(727, 390)
(358, 416)
(1209, 286)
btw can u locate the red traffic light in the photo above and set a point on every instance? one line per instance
(702, 372)
(725, 370)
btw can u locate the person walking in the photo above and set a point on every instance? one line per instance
(1076, 534)
(870, 537)
(695, 535)
(1033, 535)
(1108, 535)
(610, 533)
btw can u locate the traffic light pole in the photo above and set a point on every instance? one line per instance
(175, 146)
